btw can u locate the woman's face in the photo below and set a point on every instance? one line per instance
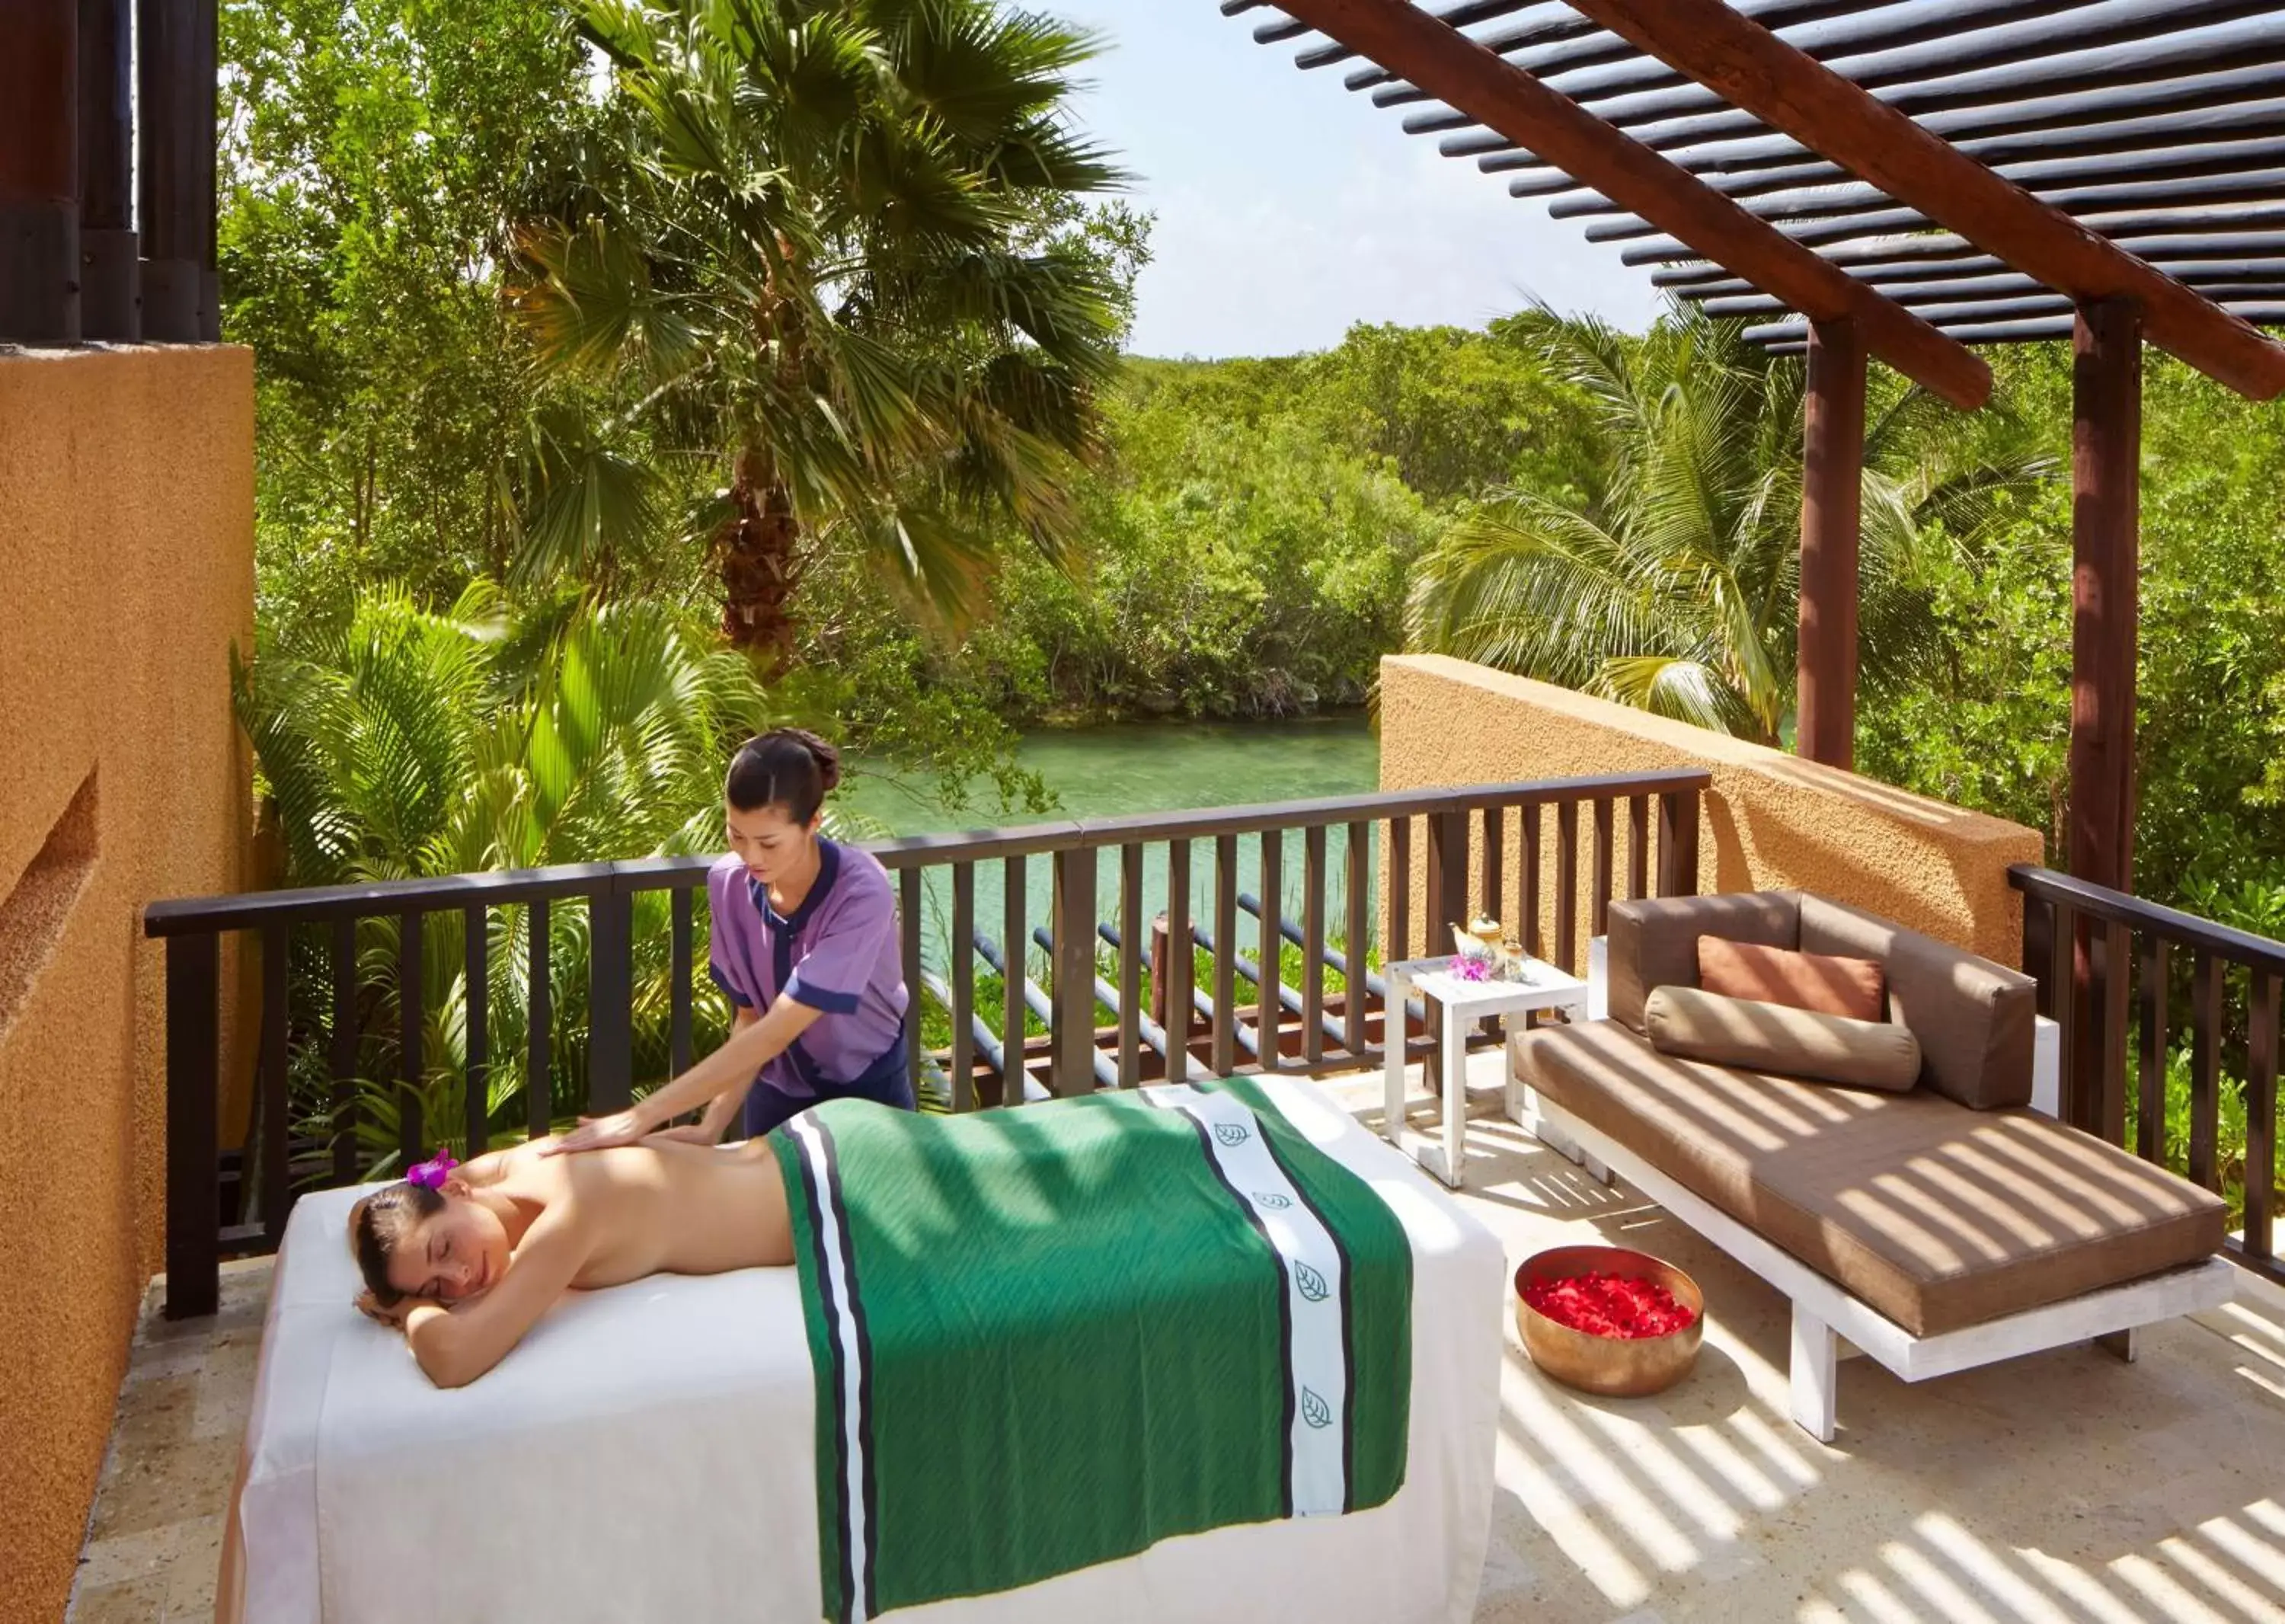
(770, 844)
(453, 1254)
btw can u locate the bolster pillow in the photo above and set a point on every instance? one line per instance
(1756, 1037)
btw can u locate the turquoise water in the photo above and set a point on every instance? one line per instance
(1144, 767)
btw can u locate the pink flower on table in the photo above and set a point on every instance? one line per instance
(1471, 970)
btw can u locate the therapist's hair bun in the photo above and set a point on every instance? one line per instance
(788, 767)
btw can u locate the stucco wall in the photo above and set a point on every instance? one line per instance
(127, 562)
(1770, 821)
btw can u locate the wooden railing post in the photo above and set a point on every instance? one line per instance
(1678, 844)
(610, 999)
(1072, 1071)
(194, 1020)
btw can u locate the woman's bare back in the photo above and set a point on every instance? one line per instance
(660, 1207)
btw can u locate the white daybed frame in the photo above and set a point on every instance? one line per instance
(1824, 1314)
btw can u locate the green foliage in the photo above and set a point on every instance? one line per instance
(1989, 725)
(1675, 585)
(407, 743)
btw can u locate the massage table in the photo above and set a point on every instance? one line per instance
(647, 1453)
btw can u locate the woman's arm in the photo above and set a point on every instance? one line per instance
(453, 1347)
(734, 1064)
(709, 1129)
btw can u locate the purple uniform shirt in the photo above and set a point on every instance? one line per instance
(838, 953)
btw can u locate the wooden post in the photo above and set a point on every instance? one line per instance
(39, 174)
(110, 305)
(1072, 1063)
(194, 1016)
(2106, 513)
(167, 173)
(1832, 482)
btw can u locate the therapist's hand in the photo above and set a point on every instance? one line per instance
(624, 1127)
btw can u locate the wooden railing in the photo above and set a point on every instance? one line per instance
(2120, 976)
(220, 1203)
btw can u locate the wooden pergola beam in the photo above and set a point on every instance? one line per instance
(1450, 66)
(1790, 91)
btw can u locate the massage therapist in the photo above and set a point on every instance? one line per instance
(805, 947)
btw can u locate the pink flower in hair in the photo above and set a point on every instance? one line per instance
(432, 1173)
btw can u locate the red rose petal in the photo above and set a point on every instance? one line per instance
(1617, 1306)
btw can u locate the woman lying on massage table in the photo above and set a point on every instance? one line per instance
(466, 1259)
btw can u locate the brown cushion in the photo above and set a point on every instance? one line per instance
(1973, 1018)
(1853, 987)
(1937, 1216)
(1766, 1036)
(1653, 940)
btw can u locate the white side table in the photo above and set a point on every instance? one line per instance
(1538, 986)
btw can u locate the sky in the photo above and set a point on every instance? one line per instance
(1290, 208)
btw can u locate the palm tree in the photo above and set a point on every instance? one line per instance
(1675, 587)
(835, 265)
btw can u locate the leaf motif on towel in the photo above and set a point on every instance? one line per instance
(1312, 1284)
(1231, 1133)
(1315, 1410)
(1275, 1202)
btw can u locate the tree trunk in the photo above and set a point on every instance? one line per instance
(759, 555)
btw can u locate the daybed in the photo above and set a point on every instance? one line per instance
(649, 1453)
(1933, 1229)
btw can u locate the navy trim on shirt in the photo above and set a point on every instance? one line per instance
(731, 993)
(820, 998)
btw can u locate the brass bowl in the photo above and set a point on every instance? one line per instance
(1618, 1367)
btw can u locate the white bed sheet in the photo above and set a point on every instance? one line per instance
(647, 1454)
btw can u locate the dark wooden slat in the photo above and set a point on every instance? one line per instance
(1134, 930)
(1399, 881)
(1527, 900)
(610, 1000)
(1638, 846)
(2205, 1070)
(2059, 978)
(2038, 949)
(1182, 962)
(1483, 87)
(680, 991)
(1493, 835)
(1072, 1043)
(1358, 853)
(962, 988)
(194, 1030)
(539, 1015)
(2117, 975)
(275, 1104)
(411, 1020)
(909, 929)
(1678, 844)
(342, 1051)
(2261, 1057)
(1598, 899)
(1313, 945)
(476, 975)
(1269, 1022)
(1011, 1012)
(1225, 970)
(2150, 1105)
(1566, 885)
(1763, 74)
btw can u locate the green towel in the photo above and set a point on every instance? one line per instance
(1051, 1336)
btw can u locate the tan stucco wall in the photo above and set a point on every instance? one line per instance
(1770, 821)
(127, 566)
